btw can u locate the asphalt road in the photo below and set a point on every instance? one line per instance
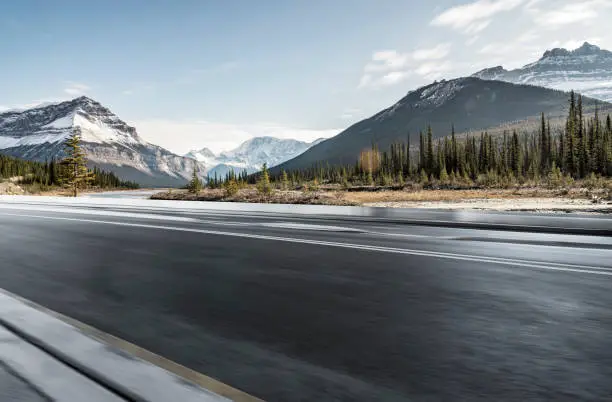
(308, 308)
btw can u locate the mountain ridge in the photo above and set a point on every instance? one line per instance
(587, 69)
(468, 103)
(251, 154)
(110, 143)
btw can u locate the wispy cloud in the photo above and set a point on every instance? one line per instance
(386, 60)
(576, 11)
(390, 67)
(474, 17)
(472, 40)
(76, 88)
(434, 70)
(435, 53)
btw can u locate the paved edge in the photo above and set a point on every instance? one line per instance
(190, 377)
(44, 375)
(490, 220)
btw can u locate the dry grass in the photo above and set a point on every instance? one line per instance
(527, 198)
(460, 195)
(251, 195)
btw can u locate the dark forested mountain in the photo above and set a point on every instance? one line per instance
(111, 144)
(467, 103)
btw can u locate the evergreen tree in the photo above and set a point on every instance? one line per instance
(195, 185)
(454, 159)
(74, 172)
(422, 150)
(430, 156)
(544, 156)
(263, 185)
(284, 180)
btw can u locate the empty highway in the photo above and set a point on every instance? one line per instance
(346, 306)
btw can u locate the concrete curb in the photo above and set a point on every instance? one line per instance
(126, 369)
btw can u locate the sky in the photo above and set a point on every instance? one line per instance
(190, 74)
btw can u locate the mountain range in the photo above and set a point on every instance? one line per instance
(487, 99)
(110, 143)
(587, 69)
(251, 155)
(490, 98)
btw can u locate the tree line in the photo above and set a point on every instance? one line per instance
(70, 172)
(581, 148)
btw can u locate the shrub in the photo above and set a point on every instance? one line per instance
(231, 188)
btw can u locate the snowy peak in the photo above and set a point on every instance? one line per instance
(39, 133)
(201, 155)
(586, 49)
(428, 97)
(438, 93)
(251, 155)
(490, 73)
(52, 123)
(587, 69)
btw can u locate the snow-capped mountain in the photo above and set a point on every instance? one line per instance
(204, 155)
(251, 155)
(587, 69)
(39, 133)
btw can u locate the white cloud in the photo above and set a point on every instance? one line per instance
(181, 136)
(76, 88)
(477, 27)
(438, 52)
(365, 81)
(528, 37)
(434, 70)
(394, 77)
(577, 11)
(127, 92)
(474, 17)
(390, 67)
(386, 60)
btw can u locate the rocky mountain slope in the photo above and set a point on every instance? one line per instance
(467, 103)
(110, 143)
(251, 155)
(587, 70)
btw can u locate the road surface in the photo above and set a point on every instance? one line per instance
(307, 307)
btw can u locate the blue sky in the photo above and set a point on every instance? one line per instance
(196, 73)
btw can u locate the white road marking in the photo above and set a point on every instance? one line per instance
(454, 256)
(306, 226)
(101, 213)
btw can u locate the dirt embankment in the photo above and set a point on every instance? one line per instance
(10, 188)
(527, 199)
